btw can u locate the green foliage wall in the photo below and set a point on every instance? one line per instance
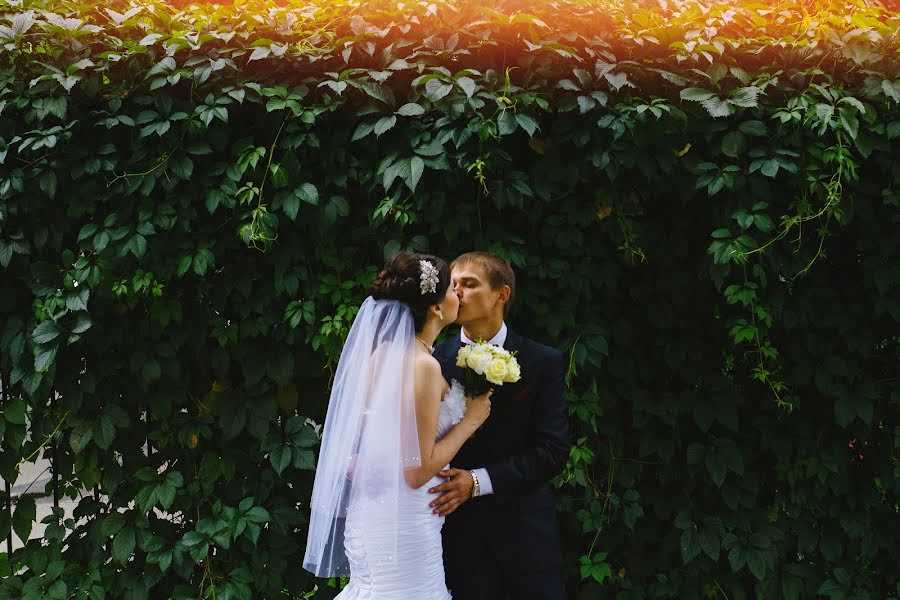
(193, 203)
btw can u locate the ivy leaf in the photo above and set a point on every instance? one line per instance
(304, 460)
(165, 493)
(710, 544)
(717, 107)
(233, 422)
(529, 124)
(185, 264)
(770, 168)
(104, 431)
(695, 94)
(436, 89)
(203, 260)
(362, 130)
(849, 122)
(617, 80)
(506, 123)
(824, 112)
(181, 165)
(746, 97)
(757, 564)
(741, 75)
(45, 332)
(123, 545)
(47, 183)
(716, 466)
(468, 86)
(690, 545)
(891, 89)
(411, 109)
(695, 453)
(305, 438)
(137, 245)
(112, 524)
(197, 148)
(416, 167)
(893, 130)
(280, 458)
(568, 84)
(736, 558)
(753, 128)
(150, 39)
(258, 514)
(791, 587)
(14, 411)
(308, 193)
(24, 517)
(290, 204)
(384, 124)
(44, 356)
(585, 104)
(78, 300)
(260, 53)
(6, 253)
(733, 144)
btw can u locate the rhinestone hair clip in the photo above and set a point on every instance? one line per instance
(429, 277)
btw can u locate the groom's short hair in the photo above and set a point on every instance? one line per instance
(498, 270)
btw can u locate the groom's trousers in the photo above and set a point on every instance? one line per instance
(480, 565)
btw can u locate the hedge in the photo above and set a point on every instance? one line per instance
(700, 201)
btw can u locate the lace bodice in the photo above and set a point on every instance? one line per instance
(453, 407)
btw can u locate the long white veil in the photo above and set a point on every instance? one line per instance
(370, 433)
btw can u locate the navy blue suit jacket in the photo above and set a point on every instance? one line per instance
(523, 445)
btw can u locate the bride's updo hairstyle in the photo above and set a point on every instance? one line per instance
(401, 279)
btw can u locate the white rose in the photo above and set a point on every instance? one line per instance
(484, 364)
(502, 353)
(476, 359)
(496, 371)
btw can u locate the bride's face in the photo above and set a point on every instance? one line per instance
(450, 306)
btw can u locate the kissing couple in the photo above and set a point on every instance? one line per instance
(422, 489)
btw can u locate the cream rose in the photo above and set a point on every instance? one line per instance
(497, 371)
(514, 372)
(463, 355)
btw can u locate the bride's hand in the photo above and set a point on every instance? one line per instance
(478, 408)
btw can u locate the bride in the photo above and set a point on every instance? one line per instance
(393, 424)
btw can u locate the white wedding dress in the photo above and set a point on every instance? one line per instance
(414, 570)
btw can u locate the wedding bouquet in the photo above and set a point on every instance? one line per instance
(485, 366)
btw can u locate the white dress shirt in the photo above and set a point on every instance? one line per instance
(484, 480)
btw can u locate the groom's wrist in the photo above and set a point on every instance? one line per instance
(476, 487)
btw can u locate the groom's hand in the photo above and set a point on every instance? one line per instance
(453, 492)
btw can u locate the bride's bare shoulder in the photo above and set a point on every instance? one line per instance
(428, 372)
(427, 365)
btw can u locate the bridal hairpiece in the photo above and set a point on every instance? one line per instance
(429, 277)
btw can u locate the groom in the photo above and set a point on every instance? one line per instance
(500, 536)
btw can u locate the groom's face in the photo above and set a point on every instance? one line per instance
(477, 300)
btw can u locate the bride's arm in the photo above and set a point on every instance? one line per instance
(435, 455)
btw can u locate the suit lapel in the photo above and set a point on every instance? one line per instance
(513, 341)
(447, 357)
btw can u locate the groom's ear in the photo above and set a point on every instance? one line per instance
(504, 292)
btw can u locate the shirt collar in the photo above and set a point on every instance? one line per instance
(497, 340)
